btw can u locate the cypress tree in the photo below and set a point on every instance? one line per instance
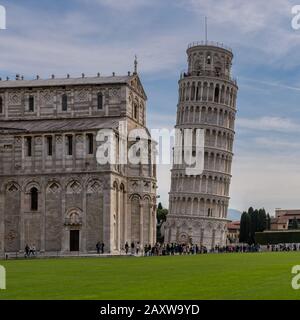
(253, 224)
(268, 226)
(253, 221)
(245, 224)
(161, 213)
(262, 220)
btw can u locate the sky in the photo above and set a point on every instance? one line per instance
(90, 36)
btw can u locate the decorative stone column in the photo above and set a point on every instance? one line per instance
(2, 226)
(141, 223)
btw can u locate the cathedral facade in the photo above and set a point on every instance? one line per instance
(198, 203)
(54, 194)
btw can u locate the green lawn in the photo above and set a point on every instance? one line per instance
(211, 276)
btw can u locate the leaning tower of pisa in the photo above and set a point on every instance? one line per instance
(198, 204)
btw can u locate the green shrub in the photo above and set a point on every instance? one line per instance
(276, 237)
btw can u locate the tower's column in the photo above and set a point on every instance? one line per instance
(118, 213)
(141, 224)
(154, 225)
(2, 225)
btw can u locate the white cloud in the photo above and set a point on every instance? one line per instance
(259, 29)
(247, 16)
(59, 43)
(77, 41)
(126, 5)
(66, 55)
(278, 144)
(265, 180)
(268, 83)
(278, 124)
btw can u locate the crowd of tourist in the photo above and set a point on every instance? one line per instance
(100, 247)
(162, 249)
(183, 249)
(284, 247)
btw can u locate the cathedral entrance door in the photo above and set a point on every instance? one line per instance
(74, 240)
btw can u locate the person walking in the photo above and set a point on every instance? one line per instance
(137, 248)
(33, 250)
(30, 250)
(126, 247)
(27, 251)
(102, 247)
(98, 247)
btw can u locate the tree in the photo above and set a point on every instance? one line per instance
(268, 222)
(262, 220)
(245, 225)
(294, 224)
(250, 210)
(161, 213)
(253, 224)
(253, 221)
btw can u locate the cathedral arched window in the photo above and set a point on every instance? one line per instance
(64, 102)
(1, 105)
(28, 142)
(90, 143)
(34, 199)
(49, 141)
(31, 104)
(100, 101)
(135, 111)
(69, 145)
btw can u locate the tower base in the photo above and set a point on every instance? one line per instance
(203, 231)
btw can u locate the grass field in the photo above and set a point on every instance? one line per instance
(219, 276)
